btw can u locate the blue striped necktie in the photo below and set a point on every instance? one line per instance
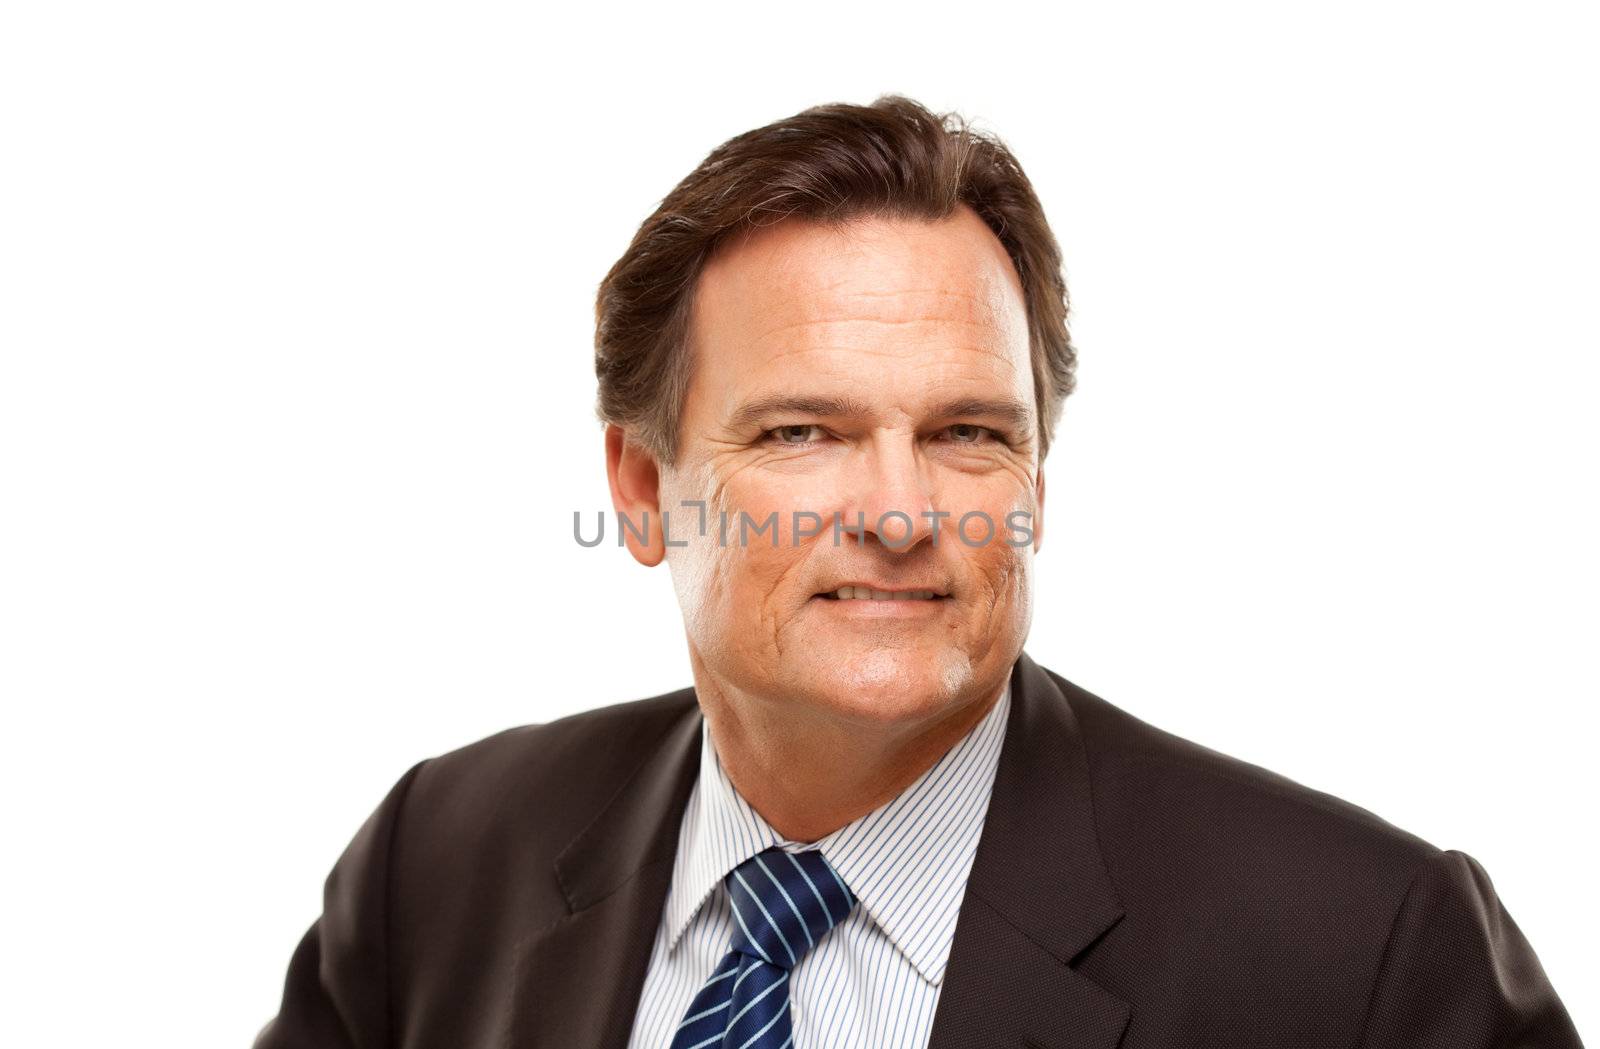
(784, 903)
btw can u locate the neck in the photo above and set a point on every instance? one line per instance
(809, 772)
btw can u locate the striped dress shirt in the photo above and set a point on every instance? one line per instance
(873, 982)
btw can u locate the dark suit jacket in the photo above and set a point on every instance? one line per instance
(1130, 888)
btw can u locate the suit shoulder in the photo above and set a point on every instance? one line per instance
(598, 743)
(554, 775)
(1154, 783)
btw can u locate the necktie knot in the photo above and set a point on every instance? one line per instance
(784, 903)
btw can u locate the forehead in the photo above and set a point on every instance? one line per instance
(927, 291)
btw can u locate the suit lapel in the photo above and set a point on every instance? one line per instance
(1037, 896)
(578, 982)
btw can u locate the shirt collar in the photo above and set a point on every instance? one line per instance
(907, 861)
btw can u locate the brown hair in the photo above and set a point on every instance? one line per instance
(835, 162)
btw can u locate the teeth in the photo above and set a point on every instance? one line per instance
(861, 593)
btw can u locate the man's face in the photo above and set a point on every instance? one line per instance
(852, 371)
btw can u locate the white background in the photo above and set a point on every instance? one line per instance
(296, 397)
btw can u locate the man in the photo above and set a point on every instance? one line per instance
(830, 365)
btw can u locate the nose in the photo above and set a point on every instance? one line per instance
(886, 495)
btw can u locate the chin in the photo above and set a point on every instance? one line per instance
(889, 685)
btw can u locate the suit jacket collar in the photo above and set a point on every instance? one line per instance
(1038, 895)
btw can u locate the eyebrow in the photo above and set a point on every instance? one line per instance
(1015, 414)
(756, 411)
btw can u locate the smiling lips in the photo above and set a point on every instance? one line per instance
(867, 593)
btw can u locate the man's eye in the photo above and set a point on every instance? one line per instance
(968, 433)
(799, 434)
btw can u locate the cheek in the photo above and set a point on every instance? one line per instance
(759, 551)
(698, 568)
(738, 590)
(1001, 572)
(996, 492)
(694, 570)
(1004, 572)
(999, 508)
(751, 574)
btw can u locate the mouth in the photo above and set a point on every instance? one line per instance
(867, 593)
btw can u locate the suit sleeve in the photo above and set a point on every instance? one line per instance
(1458, 973)
(336, 994)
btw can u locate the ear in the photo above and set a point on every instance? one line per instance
(635, 495)
(1038, 514)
